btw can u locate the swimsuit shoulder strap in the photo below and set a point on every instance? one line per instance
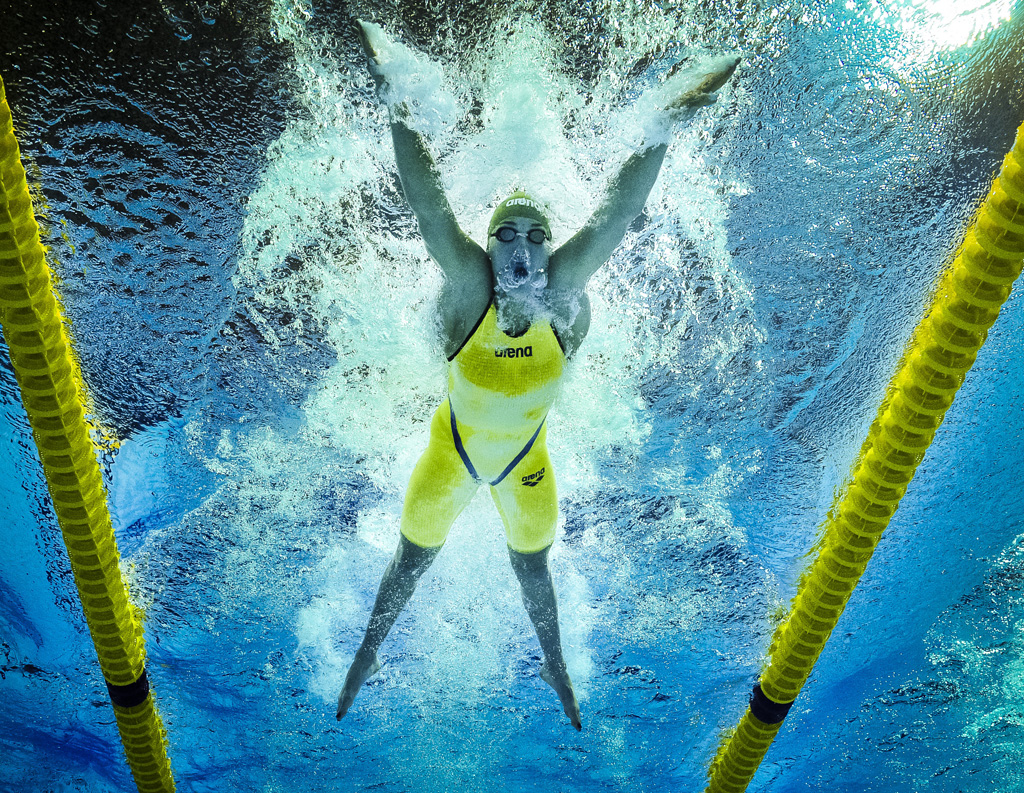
(476, 327)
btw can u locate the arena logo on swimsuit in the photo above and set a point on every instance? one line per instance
(514, 352)
(532, 480)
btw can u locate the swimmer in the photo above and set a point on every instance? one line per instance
(511, 315)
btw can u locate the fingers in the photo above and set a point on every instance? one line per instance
(364, 39)
(717, 74)
(372, 53)
(716, 79)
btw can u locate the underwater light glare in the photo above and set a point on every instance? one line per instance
(940, 25)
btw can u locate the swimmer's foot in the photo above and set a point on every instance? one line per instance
(364, 666)
(560, 682)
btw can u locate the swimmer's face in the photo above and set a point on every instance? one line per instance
(520, 264)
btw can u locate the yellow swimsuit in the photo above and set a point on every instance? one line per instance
(492, 429)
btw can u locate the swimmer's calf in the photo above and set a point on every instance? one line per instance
(408, 564)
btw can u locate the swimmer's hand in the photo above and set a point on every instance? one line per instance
(559, 680)
(372, 55)
(364, 666)
(716, 74)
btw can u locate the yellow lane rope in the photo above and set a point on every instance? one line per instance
(51, 392)
(942, 350)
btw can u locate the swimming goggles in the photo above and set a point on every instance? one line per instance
(508, 234)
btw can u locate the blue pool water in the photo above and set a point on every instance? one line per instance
(251, 305)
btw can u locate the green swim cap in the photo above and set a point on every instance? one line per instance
(519, 204)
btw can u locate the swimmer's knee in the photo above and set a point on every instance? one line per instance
(422, 532)
(418, 557)
(529, 562)
(530, 541)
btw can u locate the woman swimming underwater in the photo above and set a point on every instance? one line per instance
(511, 315)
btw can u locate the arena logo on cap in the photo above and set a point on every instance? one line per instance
(522, 202)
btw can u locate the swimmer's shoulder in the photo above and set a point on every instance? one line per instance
(461, 307)
(570, 318)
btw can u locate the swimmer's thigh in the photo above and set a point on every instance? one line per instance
(527, 500)
(439, 489)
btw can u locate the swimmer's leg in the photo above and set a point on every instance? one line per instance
(396, 587)
(527, 500)
(440, 488)
(539, 598)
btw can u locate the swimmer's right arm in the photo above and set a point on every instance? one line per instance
(448, 245)
(456, 254)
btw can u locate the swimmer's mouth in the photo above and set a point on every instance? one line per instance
(518, 272)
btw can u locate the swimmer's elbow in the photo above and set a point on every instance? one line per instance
(453, 250)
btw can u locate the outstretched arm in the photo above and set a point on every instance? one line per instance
(446, 242)
(584, 253)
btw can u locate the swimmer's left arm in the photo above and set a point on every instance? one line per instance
(587, 251)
